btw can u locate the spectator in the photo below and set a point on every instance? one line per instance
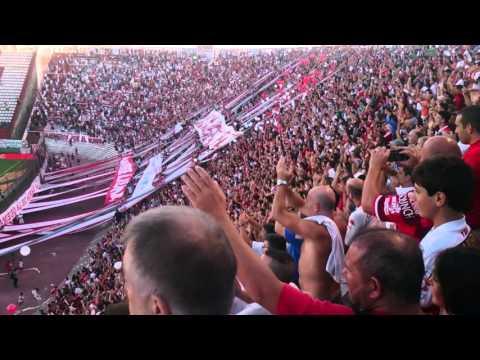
(330, 128)
(454, 285)
(468, 131)
(274, 241)
(401, 210)
(190, 270)
(384, 269)
(443, 188)
(322, 253)
(253, 237)
(280, 263)
(36, 294)
(278, 259)
(21, 299)
(14, 277)
(404, 177)
(413, 137)
(358, 219)
(472, 95)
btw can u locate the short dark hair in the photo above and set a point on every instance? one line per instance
(281, 264)
(471, 115)
(356, 192)
(395, 259)
(276, 241)
(406, 170)
(457, 271)
(269, 228)
(445, 115)
(449, 175)
(193, 267)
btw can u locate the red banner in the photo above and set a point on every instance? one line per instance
(13, 210)
(14, 156)
(125, 171)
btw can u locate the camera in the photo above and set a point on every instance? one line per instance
(395, 155)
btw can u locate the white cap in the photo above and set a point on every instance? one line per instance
(460, 83)
(424, 89)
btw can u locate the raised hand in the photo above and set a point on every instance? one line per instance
(284, 171)
(413, 154)
(204, 193)
(379, 157)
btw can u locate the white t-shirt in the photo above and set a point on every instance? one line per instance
(403, 190)
(357, 221)
(257, 246)
(331, 173)
(463, 147)
(78, 291)
(240, 307)
(445, 236)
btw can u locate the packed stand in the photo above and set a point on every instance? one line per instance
(416, 101)
(131, 97)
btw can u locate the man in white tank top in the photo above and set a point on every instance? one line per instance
(322, 254)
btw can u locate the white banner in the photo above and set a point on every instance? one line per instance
(72, 137)
(213, 131)
(186, 154)
(55, 194)
(13, 210)
(69, 229)
(178, 151)
(126, 170)
(145, 184)
(47, 186)
(74, 169)
(43, 224)
(66, 202)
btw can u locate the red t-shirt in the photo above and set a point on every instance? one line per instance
(295, 302)
(459, 102)
(472, 159)
(425, 108)
(401, 210)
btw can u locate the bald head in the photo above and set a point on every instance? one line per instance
(354, 188)
(321, 199)
(440, 146)
(182, 255)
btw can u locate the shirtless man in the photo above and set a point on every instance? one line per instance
(322, 253)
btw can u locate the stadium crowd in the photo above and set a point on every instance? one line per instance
(372, 158)
(131, 97)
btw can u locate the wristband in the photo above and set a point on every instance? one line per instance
(281, 182)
